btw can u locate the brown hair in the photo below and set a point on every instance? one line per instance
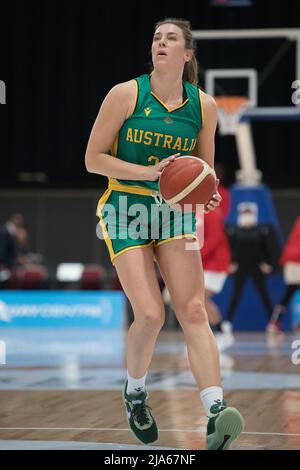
(190, 72)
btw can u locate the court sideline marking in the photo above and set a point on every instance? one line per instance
(200, 430)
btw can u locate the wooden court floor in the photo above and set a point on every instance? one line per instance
(79, 399)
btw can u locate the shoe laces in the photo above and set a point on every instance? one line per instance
(140, 413)
(218, 406)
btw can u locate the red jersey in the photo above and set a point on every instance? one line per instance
(225, 203)
(291, 251)
(215, 253)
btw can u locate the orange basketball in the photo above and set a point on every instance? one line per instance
(187, 180)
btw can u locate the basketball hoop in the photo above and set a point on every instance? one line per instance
(230, 109)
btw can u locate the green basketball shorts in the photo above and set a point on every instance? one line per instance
(129, 220)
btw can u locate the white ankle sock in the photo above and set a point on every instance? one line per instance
(135, 386)
(209, 396)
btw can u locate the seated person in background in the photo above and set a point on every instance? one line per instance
(21, 237)
(13, 246)
(9, 243)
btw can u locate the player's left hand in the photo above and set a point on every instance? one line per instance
(214, 201)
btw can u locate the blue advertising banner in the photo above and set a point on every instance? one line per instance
(295, 310)
(99, 309)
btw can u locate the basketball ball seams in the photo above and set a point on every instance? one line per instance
(174, 169)
(207, 170)
(185, 169)
(200, 195)
(180, 172)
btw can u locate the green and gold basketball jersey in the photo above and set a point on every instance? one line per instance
(153, 132)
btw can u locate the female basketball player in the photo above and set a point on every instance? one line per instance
(147, 122)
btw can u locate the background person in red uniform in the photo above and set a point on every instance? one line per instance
(290, 260)
(216, 257)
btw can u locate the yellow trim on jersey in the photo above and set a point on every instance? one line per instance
(126, 188)
(114, 148)
(201, 106)
(115, 145)
(135, 99)
(131, 248)
(166, 107)
(100, 205)
(178, 237)
(136, 96)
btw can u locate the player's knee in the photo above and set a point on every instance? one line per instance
(152, 320)
(194, 313)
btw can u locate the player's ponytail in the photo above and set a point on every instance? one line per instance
(190, 72)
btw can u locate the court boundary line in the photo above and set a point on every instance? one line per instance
(129, 430)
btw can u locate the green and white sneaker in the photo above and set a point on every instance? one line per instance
(225, 424)
(139, 417)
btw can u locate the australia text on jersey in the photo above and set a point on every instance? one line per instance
(157, 139)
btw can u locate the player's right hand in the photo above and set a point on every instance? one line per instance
(156, 170)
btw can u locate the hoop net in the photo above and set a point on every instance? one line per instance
(230, 108)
